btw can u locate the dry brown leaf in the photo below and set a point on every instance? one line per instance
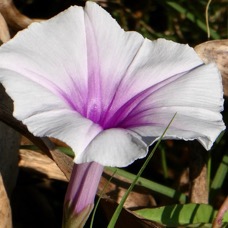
(12, 15)
(5, 209)
(198, 174)
(138, 198)
(216, 51)
(4, 31)
(42, 163)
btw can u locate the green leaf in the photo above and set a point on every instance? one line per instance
(179, 214)
(152, 185)
(221, 173)
(65, 150)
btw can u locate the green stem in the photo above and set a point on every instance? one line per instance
(120, 206)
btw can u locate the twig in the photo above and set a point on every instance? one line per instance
(13, 17)
(5, 209)
(4, 30)
(207, 20)
(223, 209)
(198, 175)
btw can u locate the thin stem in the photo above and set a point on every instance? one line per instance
(207, 20)
(98, 201)
(120, 206)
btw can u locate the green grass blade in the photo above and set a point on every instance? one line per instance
(164, 163)
(192, 18)
(178, 214)
(220, 173)
(209, 172)
(65, 150)
(207, 20)
(99, 199)
(120, 206)
(29, 147)
(159, 188)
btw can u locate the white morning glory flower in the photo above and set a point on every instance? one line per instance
(107, 93)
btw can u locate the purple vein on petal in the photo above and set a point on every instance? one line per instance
(51, 86)
(135, 112)
(117, 86)
(78, 105)
(129, 109)
(94, 98)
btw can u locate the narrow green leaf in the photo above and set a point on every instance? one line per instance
(65, 150)
(164, 163)
(192, 18)
(156, 187)
(29, 147)
(179, 214)
(220, 173)
(209, 172)
(99, 199)
(120, 206)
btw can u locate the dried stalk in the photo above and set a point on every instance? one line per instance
(198, 175)
(4, 30)
(13, 17)
(5, 209)
(219, 217)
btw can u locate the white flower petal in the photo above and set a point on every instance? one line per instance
(131, 64)
(29, 97)
(45, 114)
(157, 61)
(111, 51)
(66, 125)
(53, 54)
(196, 98)
(114, 147)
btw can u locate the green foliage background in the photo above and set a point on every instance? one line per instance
(183, 21)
